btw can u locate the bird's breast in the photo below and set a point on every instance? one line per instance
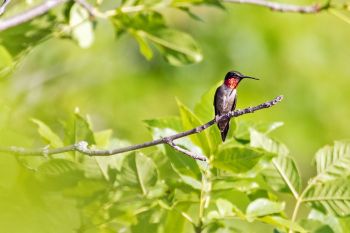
(229, 99)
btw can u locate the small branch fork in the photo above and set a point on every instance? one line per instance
(82, 146)
(47, 5)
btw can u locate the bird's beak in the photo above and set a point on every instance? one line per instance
(249, 77)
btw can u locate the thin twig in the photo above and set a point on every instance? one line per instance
(93, 12)
(284, 7)
(3, 6)
(187, 152)
(30, 14)
(82, 146)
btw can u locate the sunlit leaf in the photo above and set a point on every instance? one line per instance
(239, 201)
(282, 174)
(331, 197)
(261, 207)
(260, 140)
(22, 38)
(102, 138)
(139, 172)
(189, 121)
(59, 173)
(327, 219)
(177, 48)
(144, 46)
(166, 122)
(282, 223)
(286, 167)
(81, 26)
(243, 185)
(204, 109)
(181, 3)
(83, 128)
(6, 61)
(47, 134)
(174, 222)
(187, 168)
(237, 159)
(333, 162)
(242, 132)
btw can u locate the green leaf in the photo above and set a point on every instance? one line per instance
(189, 121)
(286, 167)
(56, 167)
(59, 173)
(139, 172)
(243, 127)
(243, 185)
(187, 168)
(22, 38)
(205, 112)
(165, 122)
(185, 3)
(47, 134)
(329, 220)
(333, 161)
(282, 223)
(262, 141)
(83, 128)
(283, 176)
(174, 222)
(81, 26)
(261, 207)
(102, 138)
(177, 48)
(144, 46)
(6, 61)
(331, 197)
(237, 159)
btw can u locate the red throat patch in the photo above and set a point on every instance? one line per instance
(231, 83)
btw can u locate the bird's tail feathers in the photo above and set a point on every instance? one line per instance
(224, 132)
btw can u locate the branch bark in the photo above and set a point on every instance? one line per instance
(3, 6)
(284, 7)
(49, 4)
(82, 146)
(30, 14)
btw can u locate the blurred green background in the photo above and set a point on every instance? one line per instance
(303, 57)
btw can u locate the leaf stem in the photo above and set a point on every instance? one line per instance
(299, 201)
(205, 197)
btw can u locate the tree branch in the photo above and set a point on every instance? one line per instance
(3, 6)
(30, 14)
(82, 146)
(187, 152)
(284, 7)
(93, 12)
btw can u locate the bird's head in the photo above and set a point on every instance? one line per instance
(233, 78)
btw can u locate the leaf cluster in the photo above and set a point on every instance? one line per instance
(142, 20)
(165, 191)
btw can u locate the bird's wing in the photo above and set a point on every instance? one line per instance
(234, 103)
(215, 101)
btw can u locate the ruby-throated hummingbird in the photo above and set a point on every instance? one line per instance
(225, 99)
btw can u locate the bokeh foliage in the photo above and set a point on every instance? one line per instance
(165, 191)
(45, 76)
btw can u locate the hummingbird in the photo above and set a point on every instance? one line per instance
(225, 99)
